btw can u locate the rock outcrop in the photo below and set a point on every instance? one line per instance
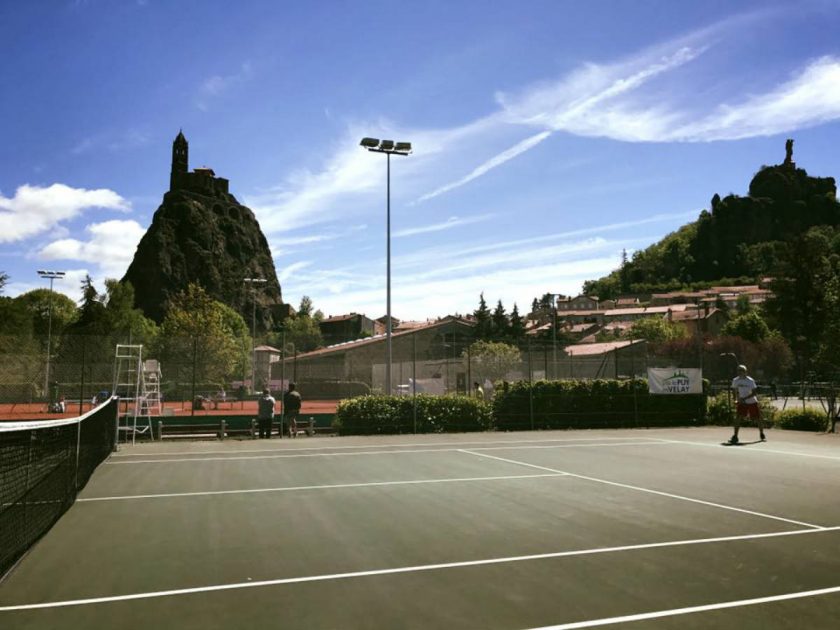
(202, 234)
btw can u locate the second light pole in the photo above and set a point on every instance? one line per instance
(253, 282)
(388, 147)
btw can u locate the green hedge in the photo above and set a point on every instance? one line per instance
(376, 414)
(802, 419)
(578, 404)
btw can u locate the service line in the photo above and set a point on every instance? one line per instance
(402, 570)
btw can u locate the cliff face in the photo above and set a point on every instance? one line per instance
(208, 238)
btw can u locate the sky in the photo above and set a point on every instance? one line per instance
(548, 135)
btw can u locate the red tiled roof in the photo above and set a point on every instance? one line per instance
(578, 350)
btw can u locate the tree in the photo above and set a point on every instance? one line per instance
(828, 352)
(302, 334)
(500, 326)
(517, 326)
(305, 309)
(749, 325)
(38, 303)
(483, 325)
(4, 278)
(122, 318)
(201, 335)
(492, 359)
(657, 329)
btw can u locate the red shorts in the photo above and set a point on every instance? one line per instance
(746, 410)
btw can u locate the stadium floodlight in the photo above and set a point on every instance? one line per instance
(388, 147)
(253, 283)
(52, 276)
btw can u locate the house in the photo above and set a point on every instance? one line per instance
(611, 359)
(341, 328)
(579, 303)
(708, 320)
(425, 351)
(627, 301)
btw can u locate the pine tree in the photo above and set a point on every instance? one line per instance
(500, 327)
(517, 326)
(483, 326)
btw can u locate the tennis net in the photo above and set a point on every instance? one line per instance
(43, 466)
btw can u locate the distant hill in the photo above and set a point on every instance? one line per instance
(738, 239)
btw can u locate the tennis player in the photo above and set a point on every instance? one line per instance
(745, 393)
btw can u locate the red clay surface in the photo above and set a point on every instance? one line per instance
(14, 412)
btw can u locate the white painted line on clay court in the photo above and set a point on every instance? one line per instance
(345, 454)
(648, 490)
(400, 570)
(323, 487)
(462, 444)
(762, 449)
(691, 609)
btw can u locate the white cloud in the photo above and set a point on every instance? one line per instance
(292, 269)
(111, 247)
(451, 222)
(35, 210)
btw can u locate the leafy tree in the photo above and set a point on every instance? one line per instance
(483, 325)
(122, 318)
(305, 308)
(38, 303)
(749, 325)
(302, 331)
(199, 332)
(492, 359)
(4, 278)
(828, 353)
(656, 329)
(517, 326)
(500, 326)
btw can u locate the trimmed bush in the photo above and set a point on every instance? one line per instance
(377, 414)
(573, 404)
(802, 420)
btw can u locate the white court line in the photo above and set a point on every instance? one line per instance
(649, 491)
(323, 487)
(344, 454)
(395, 445)
(691, 609)
(762, 449)
(398, 570)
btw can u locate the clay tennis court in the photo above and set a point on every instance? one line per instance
(627, 528)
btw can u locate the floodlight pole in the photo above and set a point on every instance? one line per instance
(252, 282)
(554, 297)
(52, 275)
(388, 147)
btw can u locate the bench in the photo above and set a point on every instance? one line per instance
(221, 429)
(309, 428)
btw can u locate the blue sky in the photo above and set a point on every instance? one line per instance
(548, 136)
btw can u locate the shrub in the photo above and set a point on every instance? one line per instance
(378, 414)
(595, 403)
(802, 419)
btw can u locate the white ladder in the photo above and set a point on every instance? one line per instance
(129, 385)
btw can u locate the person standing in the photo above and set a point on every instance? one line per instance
(478, 393)
(265, 413)
(291, 408)
(747, 403)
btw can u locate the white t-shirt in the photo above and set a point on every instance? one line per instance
(744, 385)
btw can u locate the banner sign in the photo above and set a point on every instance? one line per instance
(675, 380)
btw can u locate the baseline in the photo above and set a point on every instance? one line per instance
(648, 490)
(321, 487)
(399, 570)
(344, 454)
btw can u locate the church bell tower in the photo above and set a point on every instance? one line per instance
(180, 160)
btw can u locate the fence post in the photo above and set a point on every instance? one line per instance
(192, 390)
(414, 377)
(530, 387)
(82, 379)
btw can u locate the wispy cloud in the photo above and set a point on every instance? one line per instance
(114, 142)
(450, 223)
(215, 86)
(35, 210)
(292, 269)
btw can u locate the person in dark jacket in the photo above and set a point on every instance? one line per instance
(291, 408)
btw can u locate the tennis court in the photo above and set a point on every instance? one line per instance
(631, 528)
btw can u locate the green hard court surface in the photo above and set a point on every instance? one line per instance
(632, 528)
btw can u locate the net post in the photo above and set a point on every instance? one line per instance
(78, 448)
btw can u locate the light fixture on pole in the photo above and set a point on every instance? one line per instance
(52, 275)
(253, 282)
(554, 297)
(388, 147)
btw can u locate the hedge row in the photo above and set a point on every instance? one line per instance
(802, 419)
(581, 404)
(377, 414)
